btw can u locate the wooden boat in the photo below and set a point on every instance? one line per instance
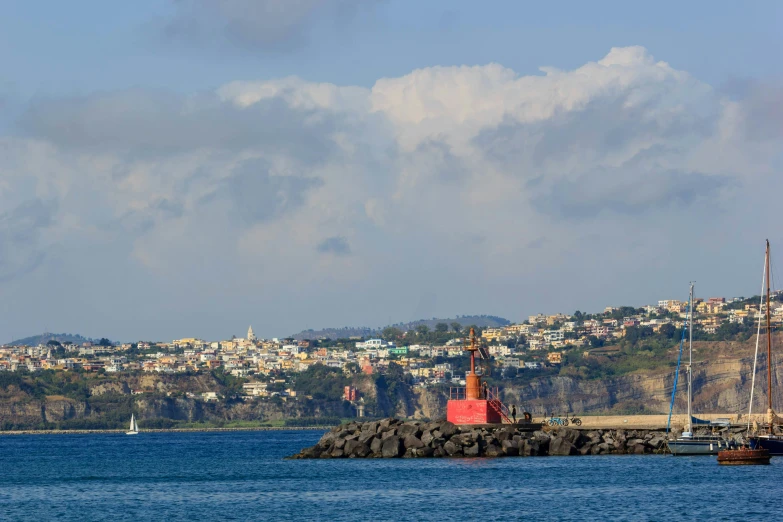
(743, 457)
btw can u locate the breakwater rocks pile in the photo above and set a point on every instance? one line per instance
(392, 438)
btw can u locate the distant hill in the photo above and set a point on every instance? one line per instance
(45, 337)
(482, 321)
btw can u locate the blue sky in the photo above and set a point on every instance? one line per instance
(204, 165)
(64, 47)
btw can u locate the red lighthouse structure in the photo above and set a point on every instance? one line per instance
(475, 404)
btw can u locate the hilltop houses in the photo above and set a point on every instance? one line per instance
(538, 342)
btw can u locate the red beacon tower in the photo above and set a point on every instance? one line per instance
(475, 404)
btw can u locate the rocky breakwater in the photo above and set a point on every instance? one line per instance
(393, 438)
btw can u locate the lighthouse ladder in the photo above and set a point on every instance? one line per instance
(496, 404)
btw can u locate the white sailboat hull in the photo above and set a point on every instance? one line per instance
(699, 446)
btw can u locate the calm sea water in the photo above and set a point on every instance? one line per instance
(242, 476)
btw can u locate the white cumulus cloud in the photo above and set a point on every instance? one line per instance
(472, 189)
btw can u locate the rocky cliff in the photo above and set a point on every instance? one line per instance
(721, 384)
(721, 381)
(158, 401)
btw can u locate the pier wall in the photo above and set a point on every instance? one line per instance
(393, 438)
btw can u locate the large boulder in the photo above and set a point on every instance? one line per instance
(603, 448)
(529, 448)
(392, 448)
(493, 450)
(361, 451)
(411, 441)
(594, 436)
(437, 443)
(452, 449)
(636, 449)
(510, 447)
(327, 439)
(472, 450)
(463, 439)
(376, 445)
(366, 437)
(385, 423)
(561, 446)
(425, 452)
(350, 445)
(408, 429)
(656, 442)
(370, 427)
(569, 434)
(446, 429)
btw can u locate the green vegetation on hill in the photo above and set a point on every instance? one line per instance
(321, 382)
(45, 337)
(73, 385)
(462, 321)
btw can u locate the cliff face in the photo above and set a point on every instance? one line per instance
(110, 401)
(720, 386)
(721, 383)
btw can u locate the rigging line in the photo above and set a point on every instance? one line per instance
(758, 336)
(677, 372)
(771, 327)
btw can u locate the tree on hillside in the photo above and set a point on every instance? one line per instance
(104, 342)
(321, 382)
(728, 330)
(441, 328)
(667, 330)
(456, 327)
(391, 333)
(595, 342)
(423, 330)
(53, 343)
(634, 334)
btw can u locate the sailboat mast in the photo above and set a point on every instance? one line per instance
(769, 347)
(690, 358)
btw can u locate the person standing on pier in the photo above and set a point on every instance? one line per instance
(514, 413)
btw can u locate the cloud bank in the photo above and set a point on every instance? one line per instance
(474, 189)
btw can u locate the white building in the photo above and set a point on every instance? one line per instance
(554, 335)
(374, 344)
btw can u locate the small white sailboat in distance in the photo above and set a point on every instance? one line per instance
(134, 428)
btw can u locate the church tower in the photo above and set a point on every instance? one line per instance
(250, 335)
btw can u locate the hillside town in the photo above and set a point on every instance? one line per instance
(538, 342)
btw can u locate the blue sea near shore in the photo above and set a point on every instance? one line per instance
(243, 476)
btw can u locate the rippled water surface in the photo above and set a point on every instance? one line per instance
(242, 476)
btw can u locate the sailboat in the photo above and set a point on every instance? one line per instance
(687, 443)
(134, 428)
(768, 441)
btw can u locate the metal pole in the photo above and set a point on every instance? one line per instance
(769, 349)
(690, 358)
